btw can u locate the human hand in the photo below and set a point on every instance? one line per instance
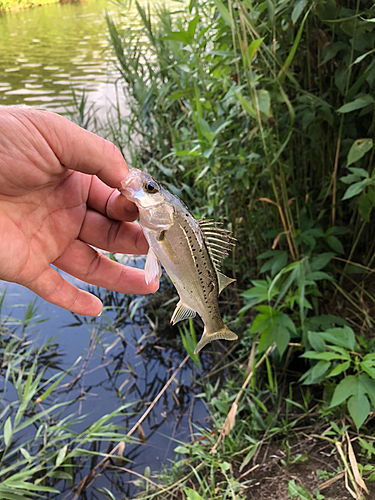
(58, 196)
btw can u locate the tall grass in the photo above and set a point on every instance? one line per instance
(249, 110)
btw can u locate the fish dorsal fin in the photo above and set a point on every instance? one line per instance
(182, 312)
(218, 242)
(223, 281)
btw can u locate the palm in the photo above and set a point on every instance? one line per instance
(50, 214)
(42, 228)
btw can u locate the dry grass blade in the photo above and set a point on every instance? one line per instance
(228, 424)
(354, 465)
(331, 481)
(355, 492)
(120, 452)
(141, 434)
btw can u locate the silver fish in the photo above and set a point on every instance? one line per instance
(189, 250)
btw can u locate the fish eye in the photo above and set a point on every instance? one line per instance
(151, 187)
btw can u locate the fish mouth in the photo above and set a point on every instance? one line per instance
(131, 184)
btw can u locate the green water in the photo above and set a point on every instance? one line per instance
(45, 52)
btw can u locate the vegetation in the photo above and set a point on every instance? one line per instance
(261, 114)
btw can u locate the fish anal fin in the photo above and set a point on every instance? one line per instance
(223, 281)
(152, 267)
(223, 334)
(182, 312)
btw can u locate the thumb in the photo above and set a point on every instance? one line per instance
(79, 149)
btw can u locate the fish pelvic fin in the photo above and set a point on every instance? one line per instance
(223, 334)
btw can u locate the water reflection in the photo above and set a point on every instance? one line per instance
(47, 51)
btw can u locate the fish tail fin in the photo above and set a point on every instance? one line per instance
(223, 334)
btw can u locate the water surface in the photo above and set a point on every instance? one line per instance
(46, 52)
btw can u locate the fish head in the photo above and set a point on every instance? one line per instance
(142, 189)
(149, 197)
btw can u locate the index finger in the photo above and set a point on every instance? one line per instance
(79, 149)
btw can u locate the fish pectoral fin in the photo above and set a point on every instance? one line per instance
(152, 267)
(223, 281)
(182, 312)
(222, 334)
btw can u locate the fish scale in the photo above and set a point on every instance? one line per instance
(189, 250)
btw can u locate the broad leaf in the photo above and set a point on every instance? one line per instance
(358, 103)
(355, 189)
(319, 262)
(359, 408)
(342, 337)
(358, 149)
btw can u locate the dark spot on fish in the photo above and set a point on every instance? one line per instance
(161, 236)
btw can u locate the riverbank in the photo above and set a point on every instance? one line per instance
(12, 6)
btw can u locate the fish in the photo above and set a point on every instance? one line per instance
(190, 250)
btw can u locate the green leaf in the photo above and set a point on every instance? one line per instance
(192, 494)
(355, 189)
(180, 93)
(61, 455)
(326, 356)
(342, 337)
(368, 385)
(264, 102)
(315, 374)
(253, 47)
(179, 36)
(263, 320)
(361, 172)
(316, 341)
(358, 103)
(344, 390)
(342, 367)
(358, 149)
(275, 328)
(276, 263)
(193, 25)
(224, 12)
(7, 431)
(359, 408)
(335, 244)
(318, 275)
(298, 491)
(204, 128)
(299, 6)
(247, 106)
(332, 50)
(321, 261)
(364, 206)
(182, 450)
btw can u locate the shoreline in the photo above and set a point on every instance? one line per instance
(7, 6)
